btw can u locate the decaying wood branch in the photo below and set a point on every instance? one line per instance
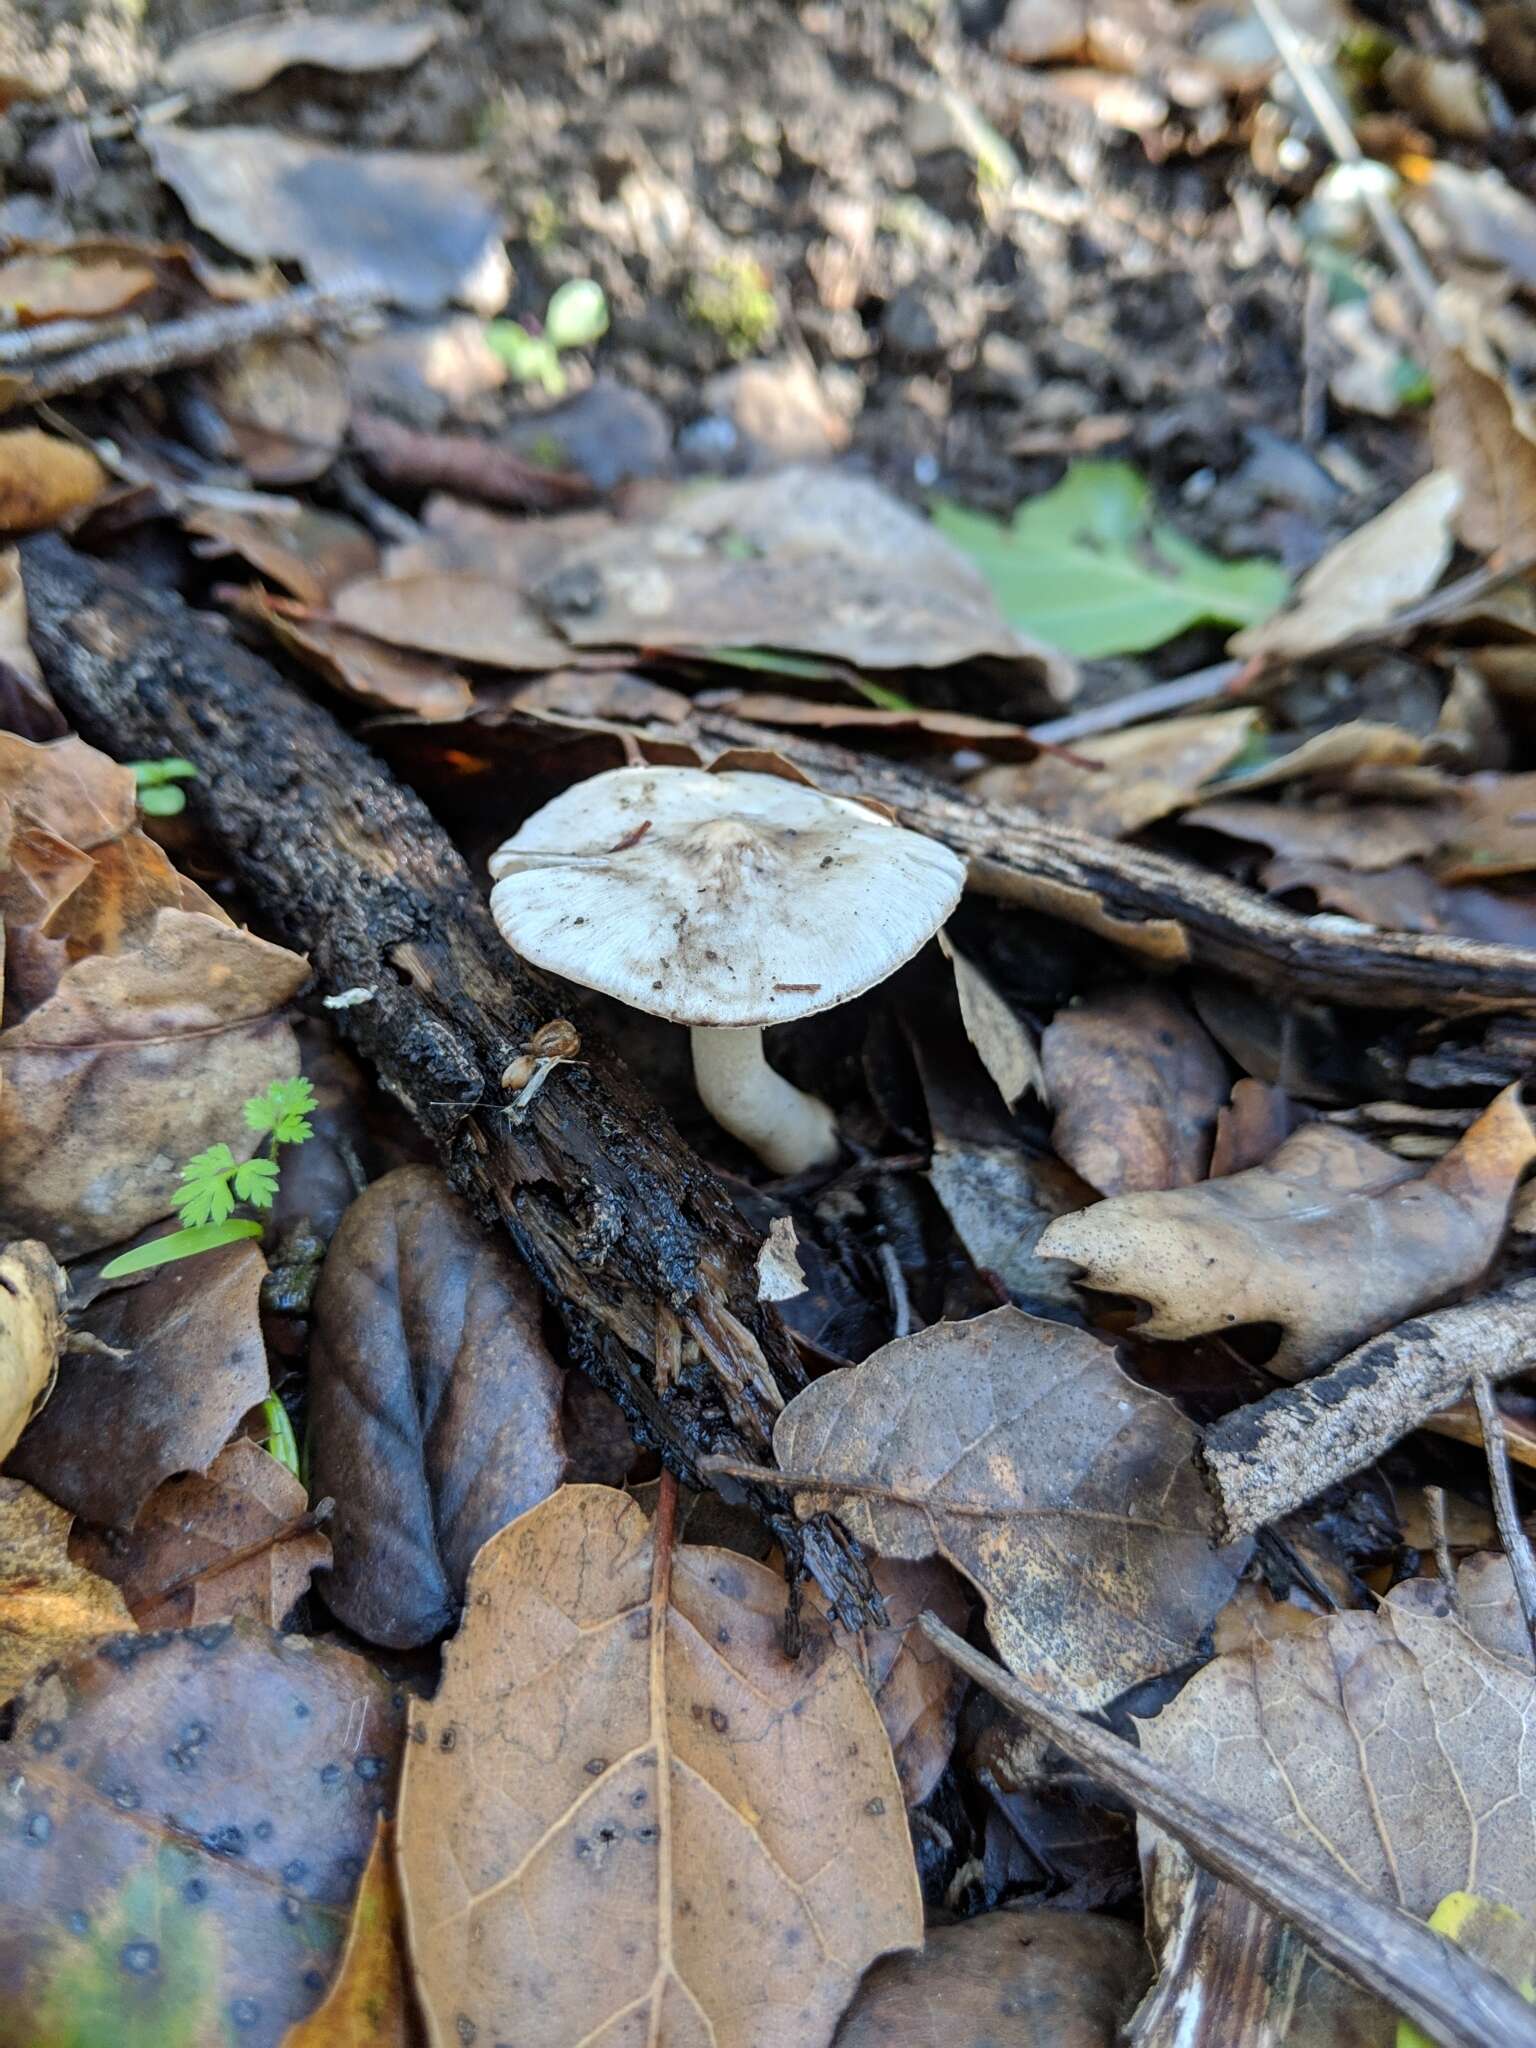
(1424, 1976)
(1168, 911)
(1267, 1459)
(633, 1239)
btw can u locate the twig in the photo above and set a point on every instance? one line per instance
(175, 344)
(21, 347)
(1517, 1545)
(1434, 1501)
(1267, 1459)
(1198, 687)
(1440, 1987)
(297, 1525)
(1340, 136)
(896, 1288)
(467, 464)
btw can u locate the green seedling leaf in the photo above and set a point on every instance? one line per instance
(162, 803)
(284, 1111)
(532, 358)
(804, 667)
(280, 1441)
(1497, 1935)
(577, 315)
(180, 1244)
(256, 1182)
(150, 774)
(1092, 569)
(206, 1196)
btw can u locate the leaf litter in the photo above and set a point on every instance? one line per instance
(1036, 419)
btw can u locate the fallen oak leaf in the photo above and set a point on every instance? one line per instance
(70, 788)
(1018, 1450)
(236, 1540)
(1332, 1239)
(50, 1607)
(155, 1863)
(722, 1823)
(33, 1289)
(434, 1403)
(192, 1364)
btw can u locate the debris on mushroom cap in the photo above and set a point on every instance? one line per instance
(727, 899)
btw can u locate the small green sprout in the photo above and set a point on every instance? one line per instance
(215, 1181)
(576, 317)
(158, 795)
(735, 300)
(280, 1441)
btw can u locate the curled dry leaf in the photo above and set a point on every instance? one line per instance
(249, 54)
(391, 678)
(310, 556)
(38, 286)
(160, 1861)
(210, 1546)
(1393, 1741)
(410, 225)
(1333, 1239)
(1479, 437)
(434, 1403)
(1000, 1197)
(917, 1690)
(1138, 1087)
(1018, 1450)
(1392, 561)
(1002, 1039)
(68, 787)
(32, 1294)
(159, 1040)
(369, 2004)
(1025, 1977)
(284, 405)
(43, 479)
(1127, 780)
(462, 614)
(194, 1364)
(723, 1825)
(49, 1607)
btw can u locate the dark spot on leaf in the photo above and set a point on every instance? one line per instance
(875, 1807)
(446, 1740)
(139, 1958)
(330, 1774)
(195, 1890)
(78, 1922)
(263, 1831)
(39, 1827)
(718, 1721)
(228, 1840)
(368, 1768)
(245, 2012)
(296, 1871)
(466, 2030)
(47, 1735)
(595, 1766)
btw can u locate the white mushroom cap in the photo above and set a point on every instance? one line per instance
(719, 900)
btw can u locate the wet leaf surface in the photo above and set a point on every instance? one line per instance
(195, 1362)
(1019, 1451)
(160, 1877)
(625, 1748)
(1333, 1239)
(435, 1404)
(1137, 1086)
(50, 1608)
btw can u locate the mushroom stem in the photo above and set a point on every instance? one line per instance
(790, 1131)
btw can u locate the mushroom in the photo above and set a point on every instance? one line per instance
(724, 901)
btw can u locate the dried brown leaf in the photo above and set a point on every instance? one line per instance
(1003, 1041)
(38, 287)
(130, 1067)
(1476, 435)
(463, 535)
(1392, 1741)
(865, 722)
(1389, 563)
(194, 1364)
(1131, 779)
(1364, 836)
(411, 225)
(392, 678)
(248, 54)
(1018, 1450)
(79, 794)
(284, 405)
(174, 1568)
(435, 1403)
(44, 478)
(1025, 1977)
(32, 1294)
(462, 614)
(1137, 1086)
(1332, 1239)
(310, 556)
(185, 1821)
(917, 1690)
(50, 1608)
(621, 1747)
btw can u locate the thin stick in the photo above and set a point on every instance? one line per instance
(1267, 1459)
(298, 1525)
(1427, 1978)
(1198, 687)
(1434, 1500)
(174, 344)
(1340, 136)
(896, 1288)
(1517, 1545)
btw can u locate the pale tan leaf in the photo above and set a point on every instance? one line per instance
(459, 613)
(49, 1607)
(628, 1815)
(1477, 435)
(1128, 780)
(1333, 1239)
(1003, 1041)
(1018, 1450)
(248, 54)
(32, 1294)
(1392, 561)
(43, 478)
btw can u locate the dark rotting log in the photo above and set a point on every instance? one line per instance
(632, 1238)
